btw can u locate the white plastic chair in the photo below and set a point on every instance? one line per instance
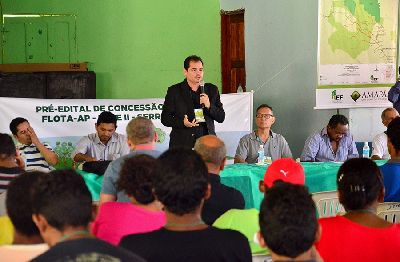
(327, 204)
(390, 211)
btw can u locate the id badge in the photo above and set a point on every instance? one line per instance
(199, 115)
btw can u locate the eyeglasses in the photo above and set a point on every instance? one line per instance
(266, 116)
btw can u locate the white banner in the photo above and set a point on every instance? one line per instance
(352, 97)
(61, 122)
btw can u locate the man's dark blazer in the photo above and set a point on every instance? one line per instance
(178, 103)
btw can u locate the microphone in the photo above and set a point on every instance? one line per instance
(202, 87)
(202, 90)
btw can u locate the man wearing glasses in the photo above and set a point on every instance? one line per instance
(275, 145)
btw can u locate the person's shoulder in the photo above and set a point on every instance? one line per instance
(331, 221)
(248, 136)
(142, 237)
(226, 233)
(380, 137)
(175, 86)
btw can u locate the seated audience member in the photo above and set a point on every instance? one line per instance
(181, 185)
(391, 169)
(213, 152)
(394, 94)
(62, 210)
(275, 145)
(142, 139)
(105, 144)
(246, 221)
(288, 223)
(27, 242)
(11, 163)
(114, 219)
(379, 143)
(38, 156)
(332, 143)
(359, 235)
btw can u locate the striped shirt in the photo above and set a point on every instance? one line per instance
(6, 175)
(34, 160)
(318, 148)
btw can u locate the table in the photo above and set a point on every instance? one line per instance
(320, 176)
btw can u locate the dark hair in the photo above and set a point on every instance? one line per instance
(15, 123)
(393, 133)
(181, 180)
(107, 117)
(359, 181)
(19, 202)
(338, 119)
(288, 220)
(263, 106)
(7, 146)
(63, 198)
(136, 178)
(192, 58)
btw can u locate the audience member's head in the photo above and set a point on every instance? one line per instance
(388, 115)
(140, 130)
(61, 201)
(7, 147)
(19, 127)
(19, 207)
(360, 184)
(213, 152)
(288, 222)
(181, 181)
(285, 170)
(106, 125)
(393, 134)
(137, 178)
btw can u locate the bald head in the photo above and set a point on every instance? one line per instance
(211, 149)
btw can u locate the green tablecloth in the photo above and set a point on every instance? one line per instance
(320, 176)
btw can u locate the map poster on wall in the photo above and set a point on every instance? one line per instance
(357, 53)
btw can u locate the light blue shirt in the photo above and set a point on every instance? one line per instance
(318, 148)
(111, 175)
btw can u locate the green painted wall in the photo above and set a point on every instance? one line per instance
(137, 47)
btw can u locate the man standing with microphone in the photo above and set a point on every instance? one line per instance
(191, 106)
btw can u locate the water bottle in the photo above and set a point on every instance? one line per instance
(365, 152)
(261, 156)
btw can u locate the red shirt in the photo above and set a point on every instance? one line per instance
(343, 240)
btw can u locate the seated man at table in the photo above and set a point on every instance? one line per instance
(288, 223)
(246, 221)
(391, 169)
(379, 143)
(105, 144)
(142, 139)
(213, 152)
(332, 143)
(37, 155)
(27, 242)
(275, 145)
(181, 185)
